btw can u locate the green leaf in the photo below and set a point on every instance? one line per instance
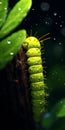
(3, 11)
(61, 107)
(10, 46)
(59, 124)
(17, 14)
(57, 74)
(57, 114)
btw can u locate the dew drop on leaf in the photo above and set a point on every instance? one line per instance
(0, 2)
(19, 8)
(11, 53)
(5, 8)
(8, 42)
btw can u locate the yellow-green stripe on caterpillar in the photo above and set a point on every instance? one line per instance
(36, 77)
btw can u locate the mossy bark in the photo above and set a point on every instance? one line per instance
(15, 101)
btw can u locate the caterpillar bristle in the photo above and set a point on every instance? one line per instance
(31, 32)
(45, 39)
(43, 36)
(44, 67)
(44, 71)
(44, 62)
(46, 103)
(35, 33)
(42, 52)
(47, 95)
(46, 87)
(45, 78)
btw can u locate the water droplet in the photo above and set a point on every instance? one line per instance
(54, 38)
(11, 53)
(55, 14)
(46, 22)
(5, 8)
(45, 6)
(0, 2)
(8, 42)
(19, 8)
(33, 9)
(60, 43)
(60, 25)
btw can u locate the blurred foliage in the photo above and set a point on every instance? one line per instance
(54, 119)
(57, 115)
(8, 23)
(56, 80)
(9, 47)
(3, 11)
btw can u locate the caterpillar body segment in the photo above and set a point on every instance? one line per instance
(36, 77)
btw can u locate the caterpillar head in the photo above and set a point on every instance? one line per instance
(31, 42)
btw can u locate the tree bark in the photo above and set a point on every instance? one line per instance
(15, 99)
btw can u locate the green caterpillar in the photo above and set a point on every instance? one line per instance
(36, 77)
